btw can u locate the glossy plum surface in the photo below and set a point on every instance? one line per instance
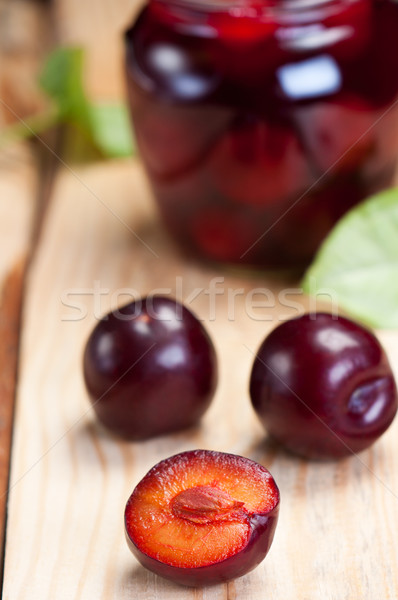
(323, 387)
(202, 517)
(150, 368)
(261, 123)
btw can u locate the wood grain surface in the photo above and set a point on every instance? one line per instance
(100, 244)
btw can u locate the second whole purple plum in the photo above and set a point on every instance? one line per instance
(323, 386)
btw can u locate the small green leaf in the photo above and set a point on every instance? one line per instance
(105, 126)
(102, 128)
(62, 80)
(111, 129)
(358, 262)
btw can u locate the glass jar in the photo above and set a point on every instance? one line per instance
(261, 122)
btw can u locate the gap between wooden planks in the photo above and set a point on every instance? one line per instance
(22, 203)
(24, 39)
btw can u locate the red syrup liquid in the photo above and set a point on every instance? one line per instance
(261, 124)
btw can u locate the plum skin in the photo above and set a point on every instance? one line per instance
(262, 534)
(150, 369)
(262, 530)
(323, 387)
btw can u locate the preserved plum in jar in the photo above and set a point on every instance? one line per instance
(260, 123)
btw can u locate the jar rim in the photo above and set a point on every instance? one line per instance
(246, 5)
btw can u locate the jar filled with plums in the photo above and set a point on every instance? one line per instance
(261, 122)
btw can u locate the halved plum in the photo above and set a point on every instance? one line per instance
(224, 233)
(339, 136)
(250, 164)
(202, 517)
(173, 142)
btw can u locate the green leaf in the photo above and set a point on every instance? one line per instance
(111, 129)
(358, 262)
(62, 80)
(106, 126)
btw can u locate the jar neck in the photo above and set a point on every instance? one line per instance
(260, 18)
(256, 8)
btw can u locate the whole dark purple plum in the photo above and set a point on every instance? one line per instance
(323, 387)
(150, 368)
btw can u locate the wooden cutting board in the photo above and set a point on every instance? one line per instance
(82, 246)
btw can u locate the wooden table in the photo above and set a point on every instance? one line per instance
(76, 240)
